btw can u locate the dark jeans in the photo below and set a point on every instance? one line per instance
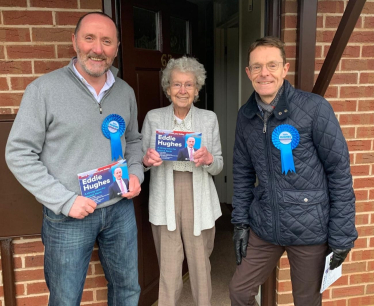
(306, 262)
(68, 247)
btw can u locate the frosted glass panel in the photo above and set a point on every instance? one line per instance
(145, 29)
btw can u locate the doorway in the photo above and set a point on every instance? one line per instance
(153, 31)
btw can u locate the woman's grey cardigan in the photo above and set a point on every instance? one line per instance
(161, 190)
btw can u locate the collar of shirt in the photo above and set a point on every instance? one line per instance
(261, 110)
(186, 122)
(108, 83)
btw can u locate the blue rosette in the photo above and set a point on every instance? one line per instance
(113, 128)
(285, 138)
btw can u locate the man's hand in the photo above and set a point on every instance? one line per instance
(202, 157)
(338, 257)
(134, 187)
(241, 236)
(82, 207)
(152, 158)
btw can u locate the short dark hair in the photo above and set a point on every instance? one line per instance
(97, 13)
(268, 41)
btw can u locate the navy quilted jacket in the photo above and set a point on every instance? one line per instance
(312, 206)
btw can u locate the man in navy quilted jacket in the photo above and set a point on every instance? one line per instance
(304, 202)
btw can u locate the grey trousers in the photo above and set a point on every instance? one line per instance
(171, 246)
(306, 262)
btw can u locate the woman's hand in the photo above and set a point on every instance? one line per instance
(152, 158)
(202, 157)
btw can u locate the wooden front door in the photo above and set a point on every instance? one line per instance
(152, 32)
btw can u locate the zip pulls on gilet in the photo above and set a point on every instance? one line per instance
(87, 90)
(264, 129)
(102, 99)
(265, 123)
(270, 170)
(100, 107)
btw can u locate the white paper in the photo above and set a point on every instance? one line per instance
(330, 276)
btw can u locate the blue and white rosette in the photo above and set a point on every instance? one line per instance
(113, 128)
(286, 138)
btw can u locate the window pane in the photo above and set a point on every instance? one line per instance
(179, 36)
(145, 29)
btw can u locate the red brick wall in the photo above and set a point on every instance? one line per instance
(35, 38)
(351, 93)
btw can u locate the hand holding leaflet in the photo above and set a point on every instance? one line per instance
(202, 157)
(338, 257)
(134, 187)
(330, 276)
(152, 158)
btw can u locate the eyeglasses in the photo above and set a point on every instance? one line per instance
(187, 86)
(271, 66)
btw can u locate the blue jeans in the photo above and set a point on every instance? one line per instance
(68, 247)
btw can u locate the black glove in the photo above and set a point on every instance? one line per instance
(241, 235)
(338, 257)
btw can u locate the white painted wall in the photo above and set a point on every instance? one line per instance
(220, 106)
(251, 27)
(232, 87)
(232, 98)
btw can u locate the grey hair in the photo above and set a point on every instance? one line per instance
(183, 64)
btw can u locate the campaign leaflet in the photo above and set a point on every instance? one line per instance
(330, 276)
(100, 184)
(177, 145)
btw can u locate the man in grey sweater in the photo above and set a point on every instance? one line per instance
(58, 133)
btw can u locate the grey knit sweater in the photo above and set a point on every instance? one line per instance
(57, 134)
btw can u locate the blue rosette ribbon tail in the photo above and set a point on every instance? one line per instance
(113, 128)
(285, 138)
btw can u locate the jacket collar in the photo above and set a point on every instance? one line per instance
(281, 111)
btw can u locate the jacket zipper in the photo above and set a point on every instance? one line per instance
(272, 191)
(107, 92)
(85, 87)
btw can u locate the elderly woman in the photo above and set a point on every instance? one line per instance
(183, 201)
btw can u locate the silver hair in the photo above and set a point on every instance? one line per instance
(183, 64)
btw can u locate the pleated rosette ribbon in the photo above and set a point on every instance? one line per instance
(113, 128)
(285, 138)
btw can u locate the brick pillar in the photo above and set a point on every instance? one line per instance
(351, 94)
